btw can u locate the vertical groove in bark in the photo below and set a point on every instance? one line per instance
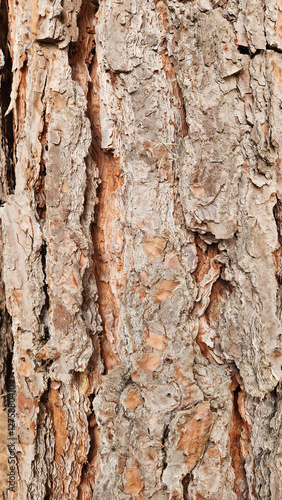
(185, 482)
(237, 427)
(7, 142)
(6, 187)
(207, 275)
(83, 64)
(278, 254)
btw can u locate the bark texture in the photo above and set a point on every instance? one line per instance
(140, 253)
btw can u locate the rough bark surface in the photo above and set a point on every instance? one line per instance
(141, 224)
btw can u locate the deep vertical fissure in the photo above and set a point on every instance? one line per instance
(44, 432)
(7, 185)
(277, 257)
(9, 376)
(185, 483)
(164, 444)
(6, 338)
(7, 120)
(82, 60)
(237, 425)
(44, 317)
(39, 186)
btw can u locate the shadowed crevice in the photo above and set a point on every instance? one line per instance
(8, 182)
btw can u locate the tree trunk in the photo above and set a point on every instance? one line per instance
(141, 190)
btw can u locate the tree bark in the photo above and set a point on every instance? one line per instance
(141, 223)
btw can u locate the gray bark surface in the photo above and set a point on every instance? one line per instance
(140, 247)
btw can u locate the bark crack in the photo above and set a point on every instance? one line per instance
(239, 435)
(39, 185)
(242, 49)
(185, 482)
(207, 276)
(164, 440)
(277, 257)
(83, 63)
(7, 135)
(44, 315)
(7, 185)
